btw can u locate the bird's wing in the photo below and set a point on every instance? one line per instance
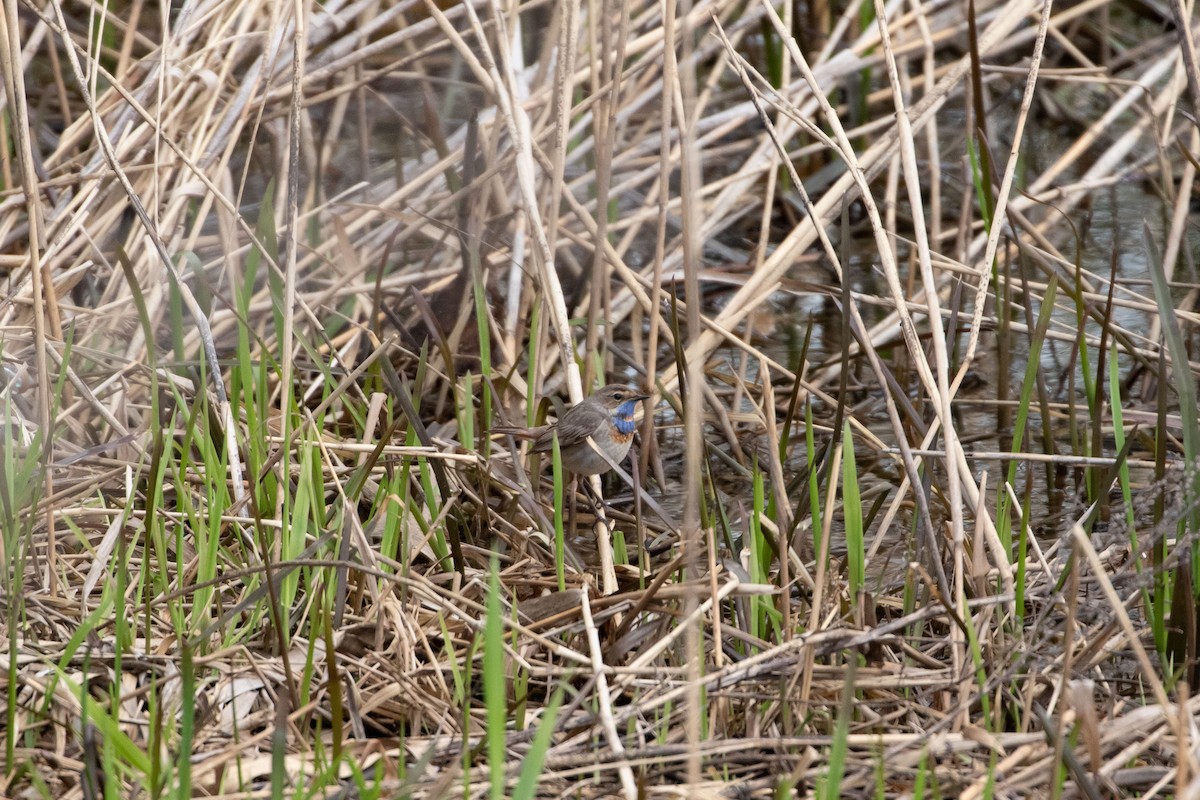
(576, 425)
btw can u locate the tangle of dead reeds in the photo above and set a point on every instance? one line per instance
(914, 506)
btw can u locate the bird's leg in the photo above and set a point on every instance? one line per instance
(595, 499)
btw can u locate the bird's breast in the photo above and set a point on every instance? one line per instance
(625, 425)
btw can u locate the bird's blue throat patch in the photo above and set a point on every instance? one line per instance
(623, 418)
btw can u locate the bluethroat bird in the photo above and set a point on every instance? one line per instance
(606, 416)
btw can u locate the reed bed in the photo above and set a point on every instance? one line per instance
(913, 508)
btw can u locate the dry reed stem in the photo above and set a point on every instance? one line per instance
(620, 113)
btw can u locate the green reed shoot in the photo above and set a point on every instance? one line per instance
(853, 516)
(531, 766)
(1028, 385)
(495, 685)
(829, 785)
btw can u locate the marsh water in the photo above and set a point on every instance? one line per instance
(803, 329)
(802, 325)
